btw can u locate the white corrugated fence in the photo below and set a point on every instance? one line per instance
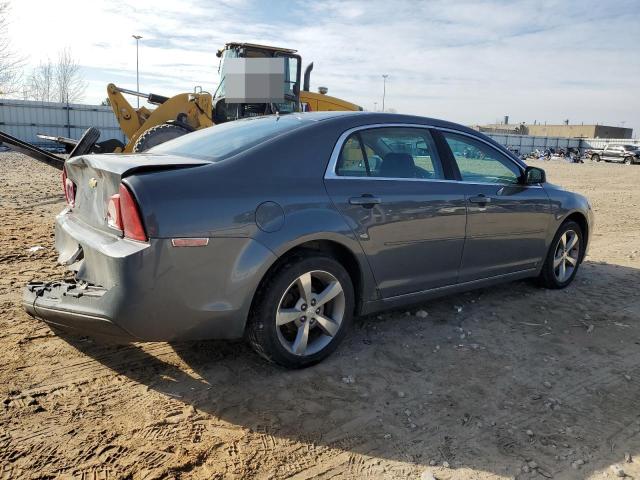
(24, 119)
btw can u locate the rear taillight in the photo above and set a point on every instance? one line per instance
(69, 188)
(124, 215)
(114, 219)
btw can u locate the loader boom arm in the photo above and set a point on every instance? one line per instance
(129, 118)
(192, 109)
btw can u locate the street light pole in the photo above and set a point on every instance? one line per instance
(384, 89)
(137, 37)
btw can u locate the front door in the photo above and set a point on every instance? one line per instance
(611, 153)
(507, 222)
(411, 225)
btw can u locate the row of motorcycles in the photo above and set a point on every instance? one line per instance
(570, 155)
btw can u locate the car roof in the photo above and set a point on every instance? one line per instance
(365, 118)
(350, 119)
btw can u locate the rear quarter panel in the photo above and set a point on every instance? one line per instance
(220, 200)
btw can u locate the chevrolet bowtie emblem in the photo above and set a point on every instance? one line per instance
(93, 183)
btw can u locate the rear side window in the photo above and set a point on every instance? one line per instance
(478, 162)
(352, 162)
(390, 152)
(223, 141)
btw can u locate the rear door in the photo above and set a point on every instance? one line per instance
(507, 222)
(391, 186)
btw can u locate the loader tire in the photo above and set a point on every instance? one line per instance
(86, 143)
(157, 135)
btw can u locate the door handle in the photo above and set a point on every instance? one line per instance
(480, 199)
(367, 200)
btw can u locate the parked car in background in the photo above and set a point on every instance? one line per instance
(282, 228)
(627, 154)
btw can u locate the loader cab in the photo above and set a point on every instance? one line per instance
(260, 86)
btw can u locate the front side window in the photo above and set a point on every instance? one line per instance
(390, 152)
(478, 162)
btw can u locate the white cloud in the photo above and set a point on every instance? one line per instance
(464, 61)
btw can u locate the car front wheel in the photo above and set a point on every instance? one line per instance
(563, 259)
(302, 311)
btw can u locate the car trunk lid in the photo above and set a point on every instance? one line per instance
(98, 177)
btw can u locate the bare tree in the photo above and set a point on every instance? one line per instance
(40, 84)
(10, 62)
(69, 83)
(59, 82)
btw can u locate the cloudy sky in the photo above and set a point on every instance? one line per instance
(466, 61)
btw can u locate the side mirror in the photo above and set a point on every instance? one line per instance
(533, 176)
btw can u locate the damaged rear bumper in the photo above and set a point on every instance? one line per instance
(71, 306)
(149, 291)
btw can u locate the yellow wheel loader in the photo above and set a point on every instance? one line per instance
(186, 112)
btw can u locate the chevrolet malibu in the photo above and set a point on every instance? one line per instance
(281, 229)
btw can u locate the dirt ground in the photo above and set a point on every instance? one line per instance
(506, 382)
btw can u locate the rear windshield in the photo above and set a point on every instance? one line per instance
(222, 141)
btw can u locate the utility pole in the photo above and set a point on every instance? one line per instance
(137, 37)
(384, 89)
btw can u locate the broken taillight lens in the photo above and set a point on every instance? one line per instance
(123, 214)
(114, 219)
(69, 188)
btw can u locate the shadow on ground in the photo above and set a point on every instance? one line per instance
(519, 375)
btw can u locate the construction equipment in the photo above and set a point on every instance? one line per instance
(186, 112)
(86, 144)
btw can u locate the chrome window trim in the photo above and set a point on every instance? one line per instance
(330, 172)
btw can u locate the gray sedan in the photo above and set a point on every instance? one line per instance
(280, 229)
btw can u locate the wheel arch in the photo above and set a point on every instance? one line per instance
(337, 250)
(581, 220)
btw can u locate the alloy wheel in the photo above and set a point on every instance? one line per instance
(567, 254)
(310, 313)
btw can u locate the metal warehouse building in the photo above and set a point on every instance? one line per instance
(563, 131)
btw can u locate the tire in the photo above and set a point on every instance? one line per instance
(279, 300)
(551, 275)
(157, 135)
(86, 143)
(628, 160)
(595, 158)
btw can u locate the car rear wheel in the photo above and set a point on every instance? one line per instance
(628, 161)
(302, 312)
(564, 256)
